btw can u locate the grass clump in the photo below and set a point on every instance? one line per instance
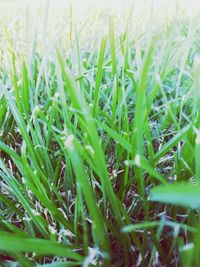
(99, 152)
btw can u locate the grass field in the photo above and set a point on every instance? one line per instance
(99, 139)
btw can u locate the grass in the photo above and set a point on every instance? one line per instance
(99, 149)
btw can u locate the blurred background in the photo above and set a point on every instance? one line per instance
(56, 23)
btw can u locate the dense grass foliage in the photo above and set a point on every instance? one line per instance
(99, 151)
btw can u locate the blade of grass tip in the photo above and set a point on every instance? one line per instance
(98, 159)
(187, 254)
(14, 77)
(133, 236)
(79, 61)
(116, 136)
(39, 143)
(23, 130)
(174, 242)
(172, 142)
(88, 125)
(139, 118)
(112, 46)
(124, 107)
(140, 102)
(148, 225)
(10, 152)
(25, 89)
(62, 95)
(165, 100)
(156, 245)
(82, 181)
(125, 116)
(174, 56)
(99, 76)
(34, 65)
(36, 186)
(80, 213)
(149, 142)
(10, 227)
(143, 163)
(177, 195)
(47, 201)
(16, 88)
(20, 122)
(114, 101)
(11, 205)
(15, 186)
(37, 76)
(182, 66)
(13, 243)
(75, 94)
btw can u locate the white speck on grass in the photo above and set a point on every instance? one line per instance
(66, 233)
(52, 230)
(69, 142)
(114, 173)
(63, 213)
(23, 180)
(91, 258)
(126, 162)
(197, 141)
(129, 162)
(35, 212)
(124, 133)
(89, 149)
(37, 109)
(157, 77)
(26, 219)
(196, 61)
(137, 160)
(56, 95)
(187, 247)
